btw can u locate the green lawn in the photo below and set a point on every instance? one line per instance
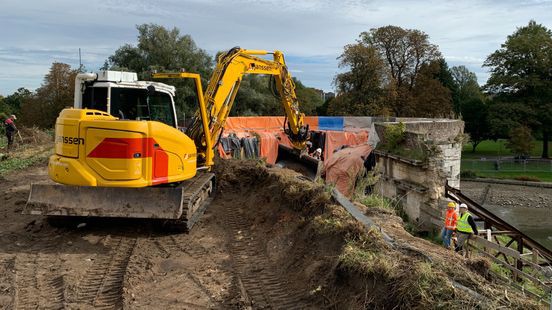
(498, 148)
(543, 176)
(508, 170)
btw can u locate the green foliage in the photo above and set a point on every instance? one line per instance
(475, 113)
(162, 49)
(361, 89)
(41, 108)
(392, 71)
(521, 141)
(465, 90)
(255, 98)
(527, 178)
(496, 148)
(394, 135)
(379, 202)
(309, 98)
(521, 80)
(24, 159)
(468, 174)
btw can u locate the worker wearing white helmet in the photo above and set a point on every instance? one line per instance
(317, 154)
(465, 227)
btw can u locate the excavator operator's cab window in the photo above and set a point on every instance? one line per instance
(141, 104)
(95, 98)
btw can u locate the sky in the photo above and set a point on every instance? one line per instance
(311, 33)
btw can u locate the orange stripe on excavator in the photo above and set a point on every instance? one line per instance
(123, 148)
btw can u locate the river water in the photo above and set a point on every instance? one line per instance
(535, 222)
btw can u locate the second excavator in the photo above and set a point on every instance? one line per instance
(119, 151)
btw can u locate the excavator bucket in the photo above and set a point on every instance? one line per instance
(184, 203)
(302, 163)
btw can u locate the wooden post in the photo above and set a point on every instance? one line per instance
(519, 263)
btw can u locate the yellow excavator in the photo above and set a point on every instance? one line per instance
(119, 152)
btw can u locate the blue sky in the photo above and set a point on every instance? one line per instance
(312, 34)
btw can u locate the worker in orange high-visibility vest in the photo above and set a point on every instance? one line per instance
(451, 217)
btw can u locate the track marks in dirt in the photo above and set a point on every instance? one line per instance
(258, 282)
(103, 285)
(182, 247)
(38, 279)
(6, 281)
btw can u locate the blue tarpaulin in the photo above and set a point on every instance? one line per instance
(330, 123)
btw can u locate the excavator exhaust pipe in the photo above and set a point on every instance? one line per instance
(302, 163)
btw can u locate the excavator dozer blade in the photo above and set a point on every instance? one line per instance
(304, 164)
(183, 204)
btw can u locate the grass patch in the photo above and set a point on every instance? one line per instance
(541, 176)
(367, 260)
(498, 148)
(377, 201)
(23, 158)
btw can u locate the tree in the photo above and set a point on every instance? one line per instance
(466, 88)
(162, 49)
(475, 113)
(309, 98)
(14, 101)
(470, 104)
(55, 93)
(392, 71)
(430, 98)
(521, 76)
(360, 88)
(521, 141)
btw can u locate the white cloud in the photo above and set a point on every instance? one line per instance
(311, 33)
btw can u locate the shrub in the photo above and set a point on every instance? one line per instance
(527, 178)
(468, 174)
(394, 135)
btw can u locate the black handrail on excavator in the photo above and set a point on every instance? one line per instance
(490, 219)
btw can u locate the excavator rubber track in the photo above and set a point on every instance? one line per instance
(180, 207)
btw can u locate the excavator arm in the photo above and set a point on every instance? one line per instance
(222, 90)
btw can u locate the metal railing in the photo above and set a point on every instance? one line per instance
(507, 165)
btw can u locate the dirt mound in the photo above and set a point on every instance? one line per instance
(335, 262)
(34, 135)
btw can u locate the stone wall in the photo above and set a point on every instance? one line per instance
(419, 185)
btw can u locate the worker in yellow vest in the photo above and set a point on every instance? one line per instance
(465, 227)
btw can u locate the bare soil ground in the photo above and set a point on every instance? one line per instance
(231, 259)
(268, 240)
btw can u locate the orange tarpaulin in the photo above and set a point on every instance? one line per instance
(343, 167)
(263, 123)
(335, 139)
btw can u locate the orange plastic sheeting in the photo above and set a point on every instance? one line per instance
(254, 123)
(335, 139)
(344, 166)
(312, 121)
